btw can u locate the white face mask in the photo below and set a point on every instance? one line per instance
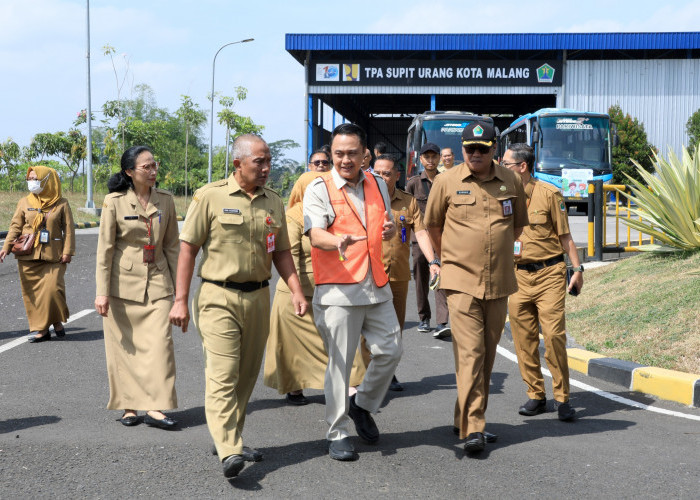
(35, 186)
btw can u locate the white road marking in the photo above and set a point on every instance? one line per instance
(23, 340)
(613, 397)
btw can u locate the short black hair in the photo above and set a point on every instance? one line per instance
(351, 129)
(380, 147)
(321, 152)
(391, 158)
(523, 153)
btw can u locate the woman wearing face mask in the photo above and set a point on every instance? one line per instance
(47, 215)
(136, 264)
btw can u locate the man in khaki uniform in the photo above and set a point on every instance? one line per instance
(540, 299)
(447, 159)
(474, 215)
(396, 251)
(240, 226)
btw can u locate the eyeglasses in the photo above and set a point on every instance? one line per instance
(149, 167)
(385, 173)
(506, 163)
(477, 147)
(318, 163)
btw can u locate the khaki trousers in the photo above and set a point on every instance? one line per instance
(477, 325)
(341, 327)
(234, 327)
(421, 273)
(540, 300)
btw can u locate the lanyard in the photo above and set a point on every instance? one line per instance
(149, 227)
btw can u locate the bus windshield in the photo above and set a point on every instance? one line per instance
(446, 134)
(574, 140)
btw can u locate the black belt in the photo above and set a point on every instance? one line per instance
(248, 286)
(536, 266)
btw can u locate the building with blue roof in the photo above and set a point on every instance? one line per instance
(381, 81)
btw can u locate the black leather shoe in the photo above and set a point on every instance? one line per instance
(164, 423)
(565, 411)
(130, 421)
(533, 407)
(248, 454)
(233, 464)
(364, 423)
(489, 437)
(342, 449)
(60, 333)
(42, 338)
(296, 399)
(395, 385)
(475, 443)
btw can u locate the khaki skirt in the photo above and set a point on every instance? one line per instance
(44, 292)
(140, 356)
(295, 358)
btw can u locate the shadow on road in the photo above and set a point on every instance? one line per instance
(18, 424)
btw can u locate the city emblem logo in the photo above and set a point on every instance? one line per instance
(327, 73)
(351, 72)
(545, 74)
(478, 131)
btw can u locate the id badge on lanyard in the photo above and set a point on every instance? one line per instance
(149, 250)
(270, 236)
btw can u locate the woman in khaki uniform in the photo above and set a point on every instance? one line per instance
(41, 273)
(136, 264)
(295, 356)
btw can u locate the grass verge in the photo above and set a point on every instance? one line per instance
(642, 309)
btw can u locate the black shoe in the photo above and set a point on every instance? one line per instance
(442, 331)
(130, 421)
(475, 443)
(364, 423)
(248, 454)
(533, 407)
(565, 411)
(60, 333)
(42, 338)
(395, 385)
(163, 423)
(233, 464)
(424, 326)
(489, 437)
(342, 449)
(296, 399)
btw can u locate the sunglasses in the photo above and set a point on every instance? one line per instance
(317, 163)
(477, 147)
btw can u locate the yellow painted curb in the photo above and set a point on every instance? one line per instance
(579, 358)
(666, 384)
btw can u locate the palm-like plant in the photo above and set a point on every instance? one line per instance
(669, 205)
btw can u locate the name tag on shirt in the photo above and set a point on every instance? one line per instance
(507, 207)
(518, 248)
(233, 211)
(464, 192)
(131, 217)
(270, 243)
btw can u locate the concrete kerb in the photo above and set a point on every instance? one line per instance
(670, 385)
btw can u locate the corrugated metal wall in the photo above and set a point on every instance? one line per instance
(660, 93)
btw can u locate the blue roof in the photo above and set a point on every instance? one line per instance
(507, 41)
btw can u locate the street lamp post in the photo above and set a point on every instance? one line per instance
(211, 115)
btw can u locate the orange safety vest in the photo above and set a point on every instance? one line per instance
(328, 268)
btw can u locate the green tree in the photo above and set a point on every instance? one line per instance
(115, 109)
(285, 171)
(693, 128)
(633, 147)
(11, 165)
(70, 147)
(236, 125)
(193, 117)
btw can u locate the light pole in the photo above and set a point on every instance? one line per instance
(211, 115)
(89, 203)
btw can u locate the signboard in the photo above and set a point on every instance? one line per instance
(436, 73)
(574, 182)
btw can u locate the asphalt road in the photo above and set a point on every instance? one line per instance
(57, 440)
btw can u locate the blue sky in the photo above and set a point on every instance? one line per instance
(169, 45)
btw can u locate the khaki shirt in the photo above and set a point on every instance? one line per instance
(396, 253)
(548, 220)
(120, 270)
(232, 230)
(477, 236)
(59, 224)
(301, 254)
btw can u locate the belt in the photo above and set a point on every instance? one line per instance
(536, 266)
(248, 286)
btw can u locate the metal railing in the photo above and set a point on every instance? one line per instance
(598, 221)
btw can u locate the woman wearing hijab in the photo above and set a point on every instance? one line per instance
(47, 215)
(137, 255)
(296, 358)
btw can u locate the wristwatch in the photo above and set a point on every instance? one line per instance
(435, 261)
(578, 269)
